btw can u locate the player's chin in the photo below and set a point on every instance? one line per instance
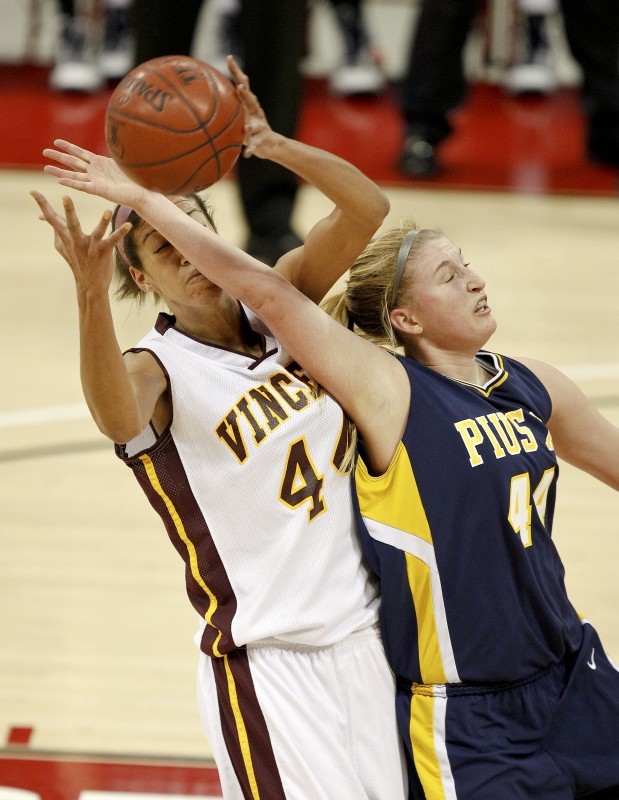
(490, 324)
(483, 328)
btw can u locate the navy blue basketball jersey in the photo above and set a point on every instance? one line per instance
(459, 531)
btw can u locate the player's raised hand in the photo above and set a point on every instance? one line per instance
(88, 254)
(92, 173)
(259, 139)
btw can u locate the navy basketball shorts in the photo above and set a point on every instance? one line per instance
(552, 737)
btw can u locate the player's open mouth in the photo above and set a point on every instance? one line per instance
(482, 307)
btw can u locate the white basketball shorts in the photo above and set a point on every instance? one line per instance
(290, 722)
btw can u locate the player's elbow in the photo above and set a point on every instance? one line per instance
(382, 206)
(375, 208)
(120, 430)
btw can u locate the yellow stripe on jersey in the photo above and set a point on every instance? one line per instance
(422, 737)
(241, 731)
(193, 558)
(427, 735)
(398, 503)
(393, 513)
(420, 581)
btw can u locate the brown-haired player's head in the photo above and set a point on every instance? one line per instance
(130, 252)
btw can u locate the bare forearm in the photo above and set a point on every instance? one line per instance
(350, 190)
(105, 380)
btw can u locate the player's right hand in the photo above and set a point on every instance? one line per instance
(93, 174)
(260, 139)
(90, 256)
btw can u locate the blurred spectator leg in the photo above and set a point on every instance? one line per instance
(118, 49)
(76, 62)
(592, 31)
(533, 71)
(268, 191)
(360, 73)
(434, 83)
(164, 28)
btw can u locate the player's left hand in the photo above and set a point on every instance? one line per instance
(260, 138)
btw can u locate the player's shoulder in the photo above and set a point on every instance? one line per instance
(556, 382)
(554, 388)
(540, 369)
(143, 362)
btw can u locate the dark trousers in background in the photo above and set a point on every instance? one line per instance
(435, 82)
(272, 38)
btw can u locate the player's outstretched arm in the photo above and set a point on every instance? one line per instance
(368, 382)
(361, 206)
(109, 388)
(330, 247)
(581, 435)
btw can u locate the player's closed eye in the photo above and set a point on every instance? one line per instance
(453, 274)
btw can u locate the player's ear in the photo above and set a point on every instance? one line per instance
(403, 322)
(141, 279)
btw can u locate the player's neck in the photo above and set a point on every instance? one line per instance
(466, 369)
(223, 327)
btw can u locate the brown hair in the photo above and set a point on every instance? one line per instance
(127, 287)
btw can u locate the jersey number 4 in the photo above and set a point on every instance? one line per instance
(520, 508)
(301, 482)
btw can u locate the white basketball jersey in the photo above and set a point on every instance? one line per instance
(246, 481)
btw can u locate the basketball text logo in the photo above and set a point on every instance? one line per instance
(154, 96)
(185, 74)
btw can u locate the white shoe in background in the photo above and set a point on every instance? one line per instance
(117, 56)
(534, 72)
(360, 74)
(76, 68)
(533, 76)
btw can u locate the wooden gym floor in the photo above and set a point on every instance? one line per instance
(97, 655)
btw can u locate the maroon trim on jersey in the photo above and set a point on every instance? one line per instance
(263, 357)
(183, 519)
(244, 728)
(342, 444)
(166, 321)
(160, 435)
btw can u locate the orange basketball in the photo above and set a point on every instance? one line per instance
(174, 124)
